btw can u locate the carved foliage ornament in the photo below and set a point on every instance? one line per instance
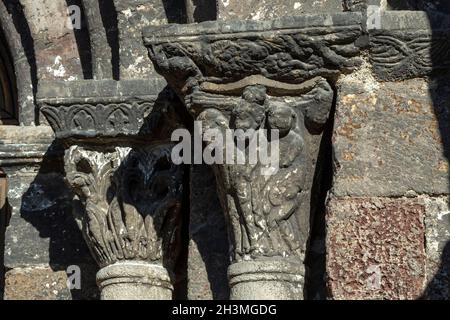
(85, 118)
(131, 200)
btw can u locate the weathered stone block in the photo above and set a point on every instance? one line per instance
(390, 138)
(133, 16)
(43, 283)
(270, 9)
(56, 52)
(42, 229)
(375, 248)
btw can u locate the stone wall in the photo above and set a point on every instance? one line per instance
(381, 226)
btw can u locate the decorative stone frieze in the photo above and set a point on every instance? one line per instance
(129, 193)
(410, 44)
(273, 75)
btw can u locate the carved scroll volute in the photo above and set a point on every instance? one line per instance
(271, 76)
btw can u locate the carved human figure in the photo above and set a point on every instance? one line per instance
(262, 76)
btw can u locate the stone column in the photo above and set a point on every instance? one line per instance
(270, 75)
(127, 191)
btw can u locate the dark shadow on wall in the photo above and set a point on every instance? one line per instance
(208, 232)
(83, 41)
(47, 206)
(204, 220)
(111, 24)
(175, 11)
(5, 211)
(190, 11)
(315, 261)
(439, 286)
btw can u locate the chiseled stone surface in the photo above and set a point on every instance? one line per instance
(42, 229)
(55, 45)
(270, 9)
(376, 248)
(389, 138)
(40, 282)
(133, 16)
(268, 216)
(36, 283)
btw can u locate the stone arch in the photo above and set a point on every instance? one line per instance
(8, 87)
(22, 71)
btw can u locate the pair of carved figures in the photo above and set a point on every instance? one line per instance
(274, 75)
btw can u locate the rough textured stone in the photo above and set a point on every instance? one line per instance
(26, 145)
(399, 145)
(375, 248)
(397, 45)
(42, 229)
(11, 15)
(437, 223)
(269, 9)
(55, 45)
(36, 283)
(208, 246)
(43, 283)
(389, 138)
(133, 16)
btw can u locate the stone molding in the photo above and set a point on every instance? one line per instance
(106, 108)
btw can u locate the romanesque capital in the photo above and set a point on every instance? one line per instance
(128, 192)
(275, 76)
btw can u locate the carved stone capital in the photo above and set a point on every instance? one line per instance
(128, 192)
(131, 198)
(131, 202)
(272, 75)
